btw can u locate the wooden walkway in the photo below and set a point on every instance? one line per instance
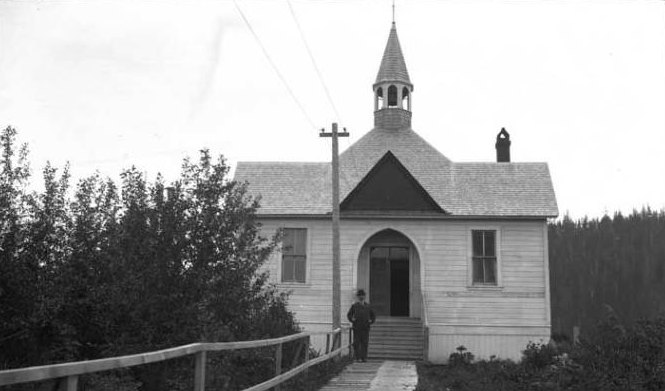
(375, 375)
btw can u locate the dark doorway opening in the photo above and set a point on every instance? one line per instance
(389, 280)
(399, 287)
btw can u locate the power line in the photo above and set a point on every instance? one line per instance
(316, 67)
(324, 85)
(325, 88)
(274, 67)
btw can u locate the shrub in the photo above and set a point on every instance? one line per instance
(461, 357)
(616, 357)
(538, 355)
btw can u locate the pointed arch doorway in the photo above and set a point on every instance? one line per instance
(389, 270)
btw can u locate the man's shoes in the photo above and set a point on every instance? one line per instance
(364, 360)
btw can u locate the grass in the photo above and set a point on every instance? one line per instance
(480, 376)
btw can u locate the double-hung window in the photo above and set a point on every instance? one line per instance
(484, 264)
(294, 255)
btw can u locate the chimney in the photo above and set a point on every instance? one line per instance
(502, 146)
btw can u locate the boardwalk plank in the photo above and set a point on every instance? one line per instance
(375, 375)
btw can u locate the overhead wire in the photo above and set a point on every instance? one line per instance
(274, 66)
(323, 84)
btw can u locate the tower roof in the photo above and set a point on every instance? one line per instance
(393, 67)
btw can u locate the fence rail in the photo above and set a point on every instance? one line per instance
(68, 373)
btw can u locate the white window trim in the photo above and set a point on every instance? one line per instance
(308, 252)
(499, 280)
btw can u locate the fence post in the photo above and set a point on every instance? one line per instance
(294, 362)
(69, 383)
(200, 371)
(327, 343)
(307, 342)
(278, 364)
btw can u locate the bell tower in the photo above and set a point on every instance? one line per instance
(392, 88)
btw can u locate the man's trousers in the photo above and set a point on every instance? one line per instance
(360, 343)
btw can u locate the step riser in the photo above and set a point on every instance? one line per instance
(396, 338)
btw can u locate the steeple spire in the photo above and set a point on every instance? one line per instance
(393, 66)
(392, 88)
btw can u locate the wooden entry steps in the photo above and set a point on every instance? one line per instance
(398, 338)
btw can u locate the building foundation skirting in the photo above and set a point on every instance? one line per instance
(502, 342)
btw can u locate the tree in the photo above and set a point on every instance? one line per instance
(134, 267)
(618, 261)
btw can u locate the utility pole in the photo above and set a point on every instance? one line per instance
(336, 278)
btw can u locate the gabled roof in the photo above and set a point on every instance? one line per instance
(389, 186)
(460, 189)
(393, 66)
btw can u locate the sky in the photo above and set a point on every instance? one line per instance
(106, 85)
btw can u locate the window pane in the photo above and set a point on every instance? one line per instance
(478, 270)
(490, 270)
(287, 269)
(300, 266)
(294, 254)
(477, 238)
(399, 253)
(300, 241)
(379, 252)
(490, 244)
(288, 241)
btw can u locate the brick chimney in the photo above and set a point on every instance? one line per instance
(502, 146)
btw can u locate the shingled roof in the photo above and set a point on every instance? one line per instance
(393, 66)
(460, 189)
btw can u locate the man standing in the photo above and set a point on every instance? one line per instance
(361, 317)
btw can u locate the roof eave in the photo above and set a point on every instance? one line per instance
(433, 216)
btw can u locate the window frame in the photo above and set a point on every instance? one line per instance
(280, 259)
(497, 250)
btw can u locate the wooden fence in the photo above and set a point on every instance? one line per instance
(68, 373)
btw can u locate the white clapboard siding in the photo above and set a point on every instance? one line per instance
(443, 249)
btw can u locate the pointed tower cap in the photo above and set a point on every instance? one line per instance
(393, 67)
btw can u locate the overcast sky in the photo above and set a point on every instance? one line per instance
(110, 84)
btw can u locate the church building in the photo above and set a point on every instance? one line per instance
(449, 253)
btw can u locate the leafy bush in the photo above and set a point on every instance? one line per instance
(539, 355)
(613, 358)
(130, 267)
(616, 357)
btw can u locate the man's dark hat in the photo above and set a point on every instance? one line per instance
(360, 292)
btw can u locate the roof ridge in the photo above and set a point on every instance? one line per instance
(279, 162)
(498, 163)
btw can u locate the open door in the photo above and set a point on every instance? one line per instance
(379, 281)
(389, 280)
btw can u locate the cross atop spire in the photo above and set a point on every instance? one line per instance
(393, 66)
(393, 11)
